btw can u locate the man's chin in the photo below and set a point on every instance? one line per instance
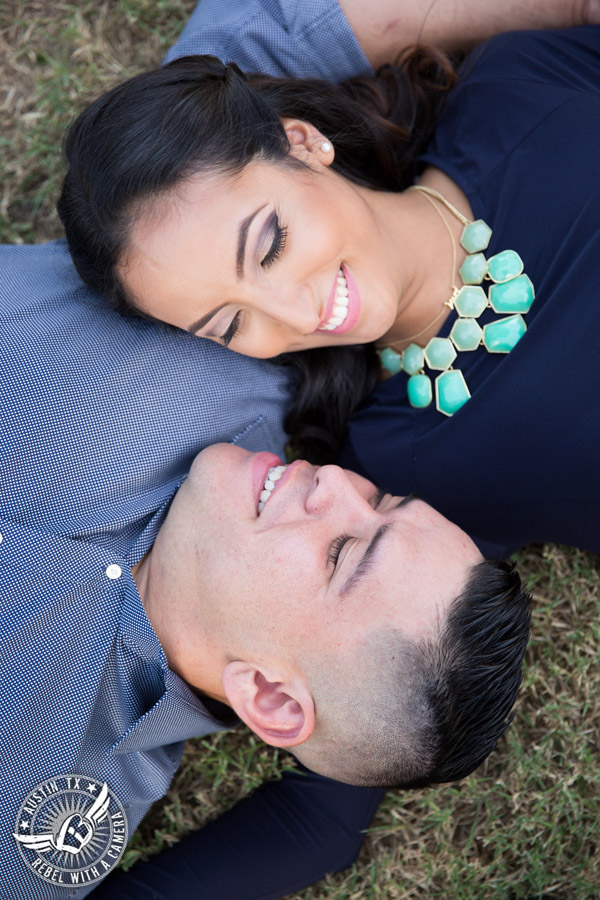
(216, 453)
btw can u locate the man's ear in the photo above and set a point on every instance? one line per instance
(307, 142)
(280, 712)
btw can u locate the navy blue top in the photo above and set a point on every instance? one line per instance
(519, 462)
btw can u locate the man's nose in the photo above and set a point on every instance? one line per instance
(333, 489)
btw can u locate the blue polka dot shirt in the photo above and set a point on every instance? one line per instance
(100, 420)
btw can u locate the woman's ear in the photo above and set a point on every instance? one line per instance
(280, 712)
(307, 142)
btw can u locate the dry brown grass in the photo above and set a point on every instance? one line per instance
(528, 820)
(54, 58)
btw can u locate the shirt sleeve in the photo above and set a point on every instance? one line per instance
(311, 38)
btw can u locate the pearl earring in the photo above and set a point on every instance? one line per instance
(326, 147)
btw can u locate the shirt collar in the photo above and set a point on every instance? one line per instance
(178, 714)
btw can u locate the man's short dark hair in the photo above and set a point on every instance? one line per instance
(477, 676)
(428, 712)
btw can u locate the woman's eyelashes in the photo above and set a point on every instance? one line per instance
(274, 252)
(278, 245)
(234, 328)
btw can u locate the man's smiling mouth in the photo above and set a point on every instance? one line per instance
(273, 476)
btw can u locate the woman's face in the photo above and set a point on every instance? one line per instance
(278, 258)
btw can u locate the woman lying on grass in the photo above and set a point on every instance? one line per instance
(426, 252)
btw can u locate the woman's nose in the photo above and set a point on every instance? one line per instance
(294, 308)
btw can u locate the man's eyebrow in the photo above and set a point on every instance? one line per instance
(365, 562)
(241, 247)
(239, 268)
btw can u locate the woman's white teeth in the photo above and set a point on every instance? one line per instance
(273, 475)
(340, 304)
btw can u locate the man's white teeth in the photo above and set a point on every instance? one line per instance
(340, 304)
(273, 475)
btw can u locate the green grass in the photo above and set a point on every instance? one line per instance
(528, 820)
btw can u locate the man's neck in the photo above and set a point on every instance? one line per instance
(183, 647)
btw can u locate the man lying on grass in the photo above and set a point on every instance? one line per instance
(362, 631)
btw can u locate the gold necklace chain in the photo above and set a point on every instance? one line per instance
(422, 189)
(427, 193)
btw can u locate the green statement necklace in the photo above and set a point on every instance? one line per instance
(511, 291)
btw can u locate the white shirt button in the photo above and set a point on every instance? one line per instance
(113, 571)
(0, 538)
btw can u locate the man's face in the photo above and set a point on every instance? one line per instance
(325, 562)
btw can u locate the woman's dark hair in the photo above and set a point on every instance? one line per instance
(149, 134)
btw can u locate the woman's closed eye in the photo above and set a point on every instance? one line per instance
(275, 250)
(234, 328)
(278, 245)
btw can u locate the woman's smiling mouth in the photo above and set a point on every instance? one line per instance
(343, 306)
(340, 304)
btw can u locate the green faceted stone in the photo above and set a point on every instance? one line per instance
(505, 265)
(390, 360)
(476, 236)
(473, 269)
(439, 353)
(503, 335)
(451, 392)
(470, 301)
(514, 296)
(420, 393)
(466, 334)
(412, 359)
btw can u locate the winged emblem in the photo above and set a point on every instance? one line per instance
(76, 831)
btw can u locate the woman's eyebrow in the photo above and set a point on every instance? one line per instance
(196, 326)
(241, 247)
